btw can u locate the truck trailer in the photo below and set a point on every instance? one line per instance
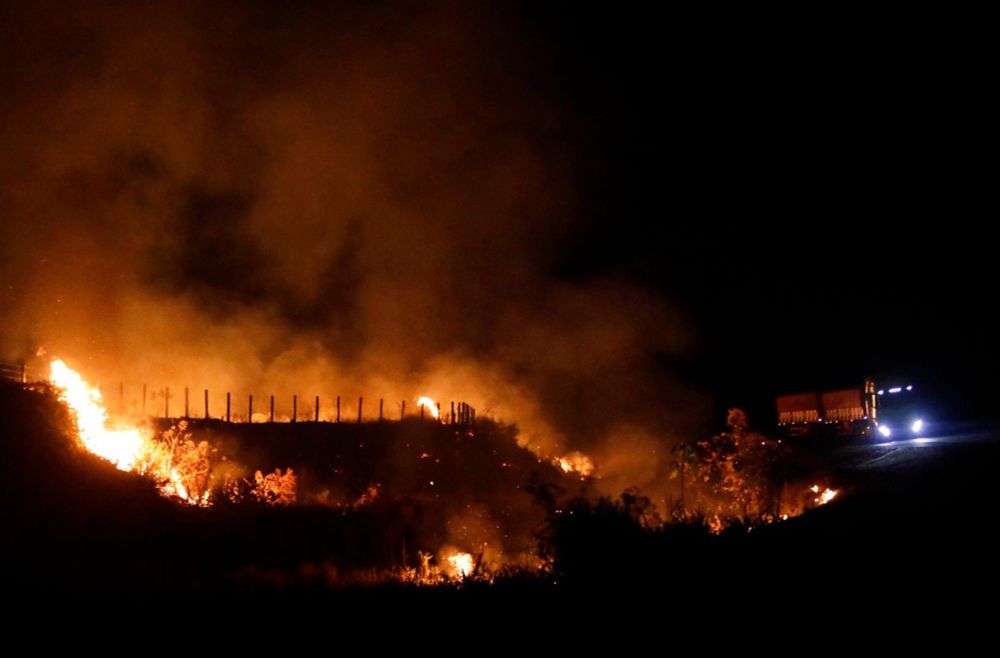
(865, 412)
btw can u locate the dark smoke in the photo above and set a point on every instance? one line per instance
(362, 199)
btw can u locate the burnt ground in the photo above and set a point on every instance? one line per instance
(912, 533)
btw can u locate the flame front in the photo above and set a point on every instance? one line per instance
(430, 405)
(462, 564)
(123, 448)
(129, 449)
(826, 496)
(575, 462)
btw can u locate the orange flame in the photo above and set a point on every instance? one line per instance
(123, 448)
(575, 462)
(130, 448)
(430, 405)
(461, 564)
(825, 495)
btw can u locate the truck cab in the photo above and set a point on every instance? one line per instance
(900, 413)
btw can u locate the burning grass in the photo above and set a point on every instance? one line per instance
(741, 478)
(180, 467)
(312, 504)
(417, 501)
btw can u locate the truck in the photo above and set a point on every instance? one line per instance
(869, 412)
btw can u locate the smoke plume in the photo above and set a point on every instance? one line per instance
(356, 200)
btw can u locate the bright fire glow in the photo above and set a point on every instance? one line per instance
(429, 404)
(825, 495)
(123, 447)
(130, 448)
(461, 564)
(575, 462)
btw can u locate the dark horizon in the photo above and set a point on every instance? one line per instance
(808, 188)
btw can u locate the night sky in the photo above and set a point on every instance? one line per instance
(811, 187)
(738, 204)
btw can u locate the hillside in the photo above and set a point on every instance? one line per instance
(370, 499)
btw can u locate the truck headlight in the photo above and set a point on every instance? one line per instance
(884, 430)
(917, 425)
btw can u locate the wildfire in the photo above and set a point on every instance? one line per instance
(452, 565)
(824, 495)
(462, 564)
(179, 467)
(123, 448)
(575, 462)
(430, 405)
(176, 488)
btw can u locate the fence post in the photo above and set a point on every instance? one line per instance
(272, 408)
(206, 404)
(250, 410)
(187, 400)
(295, 407)
(317, 408)
(166, 402)
(361, 402)
(380, 402)
(338, 408)
(229, 418)
(402, 411)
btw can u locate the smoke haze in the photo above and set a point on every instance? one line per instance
(364, 199)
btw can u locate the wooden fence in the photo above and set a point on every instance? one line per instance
(167, 402)
(13, 372)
